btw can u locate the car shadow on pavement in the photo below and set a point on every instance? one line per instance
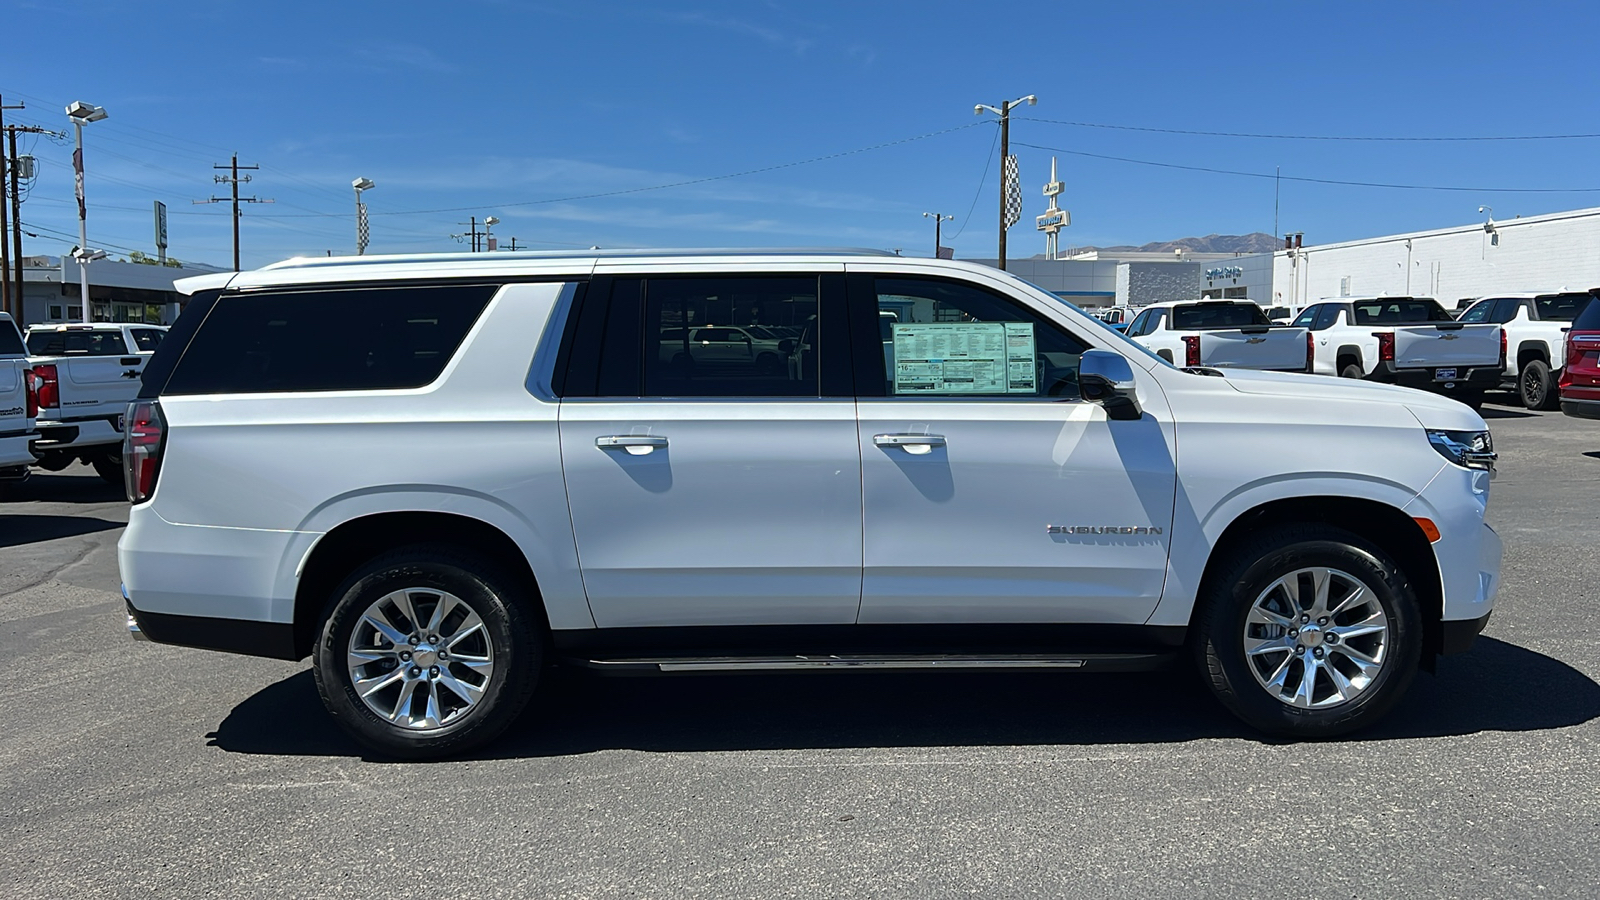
(1495, 687)
(61, 489)
(1492, 412)
(19, 529)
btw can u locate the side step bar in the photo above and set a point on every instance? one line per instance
(1096, 662)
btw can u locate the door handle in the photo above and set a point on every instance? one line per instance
(635, 444)
(131, 373)
(915, 444)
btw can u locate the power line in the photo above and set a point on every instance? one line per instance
(1316, 137)
(1308, 180)
(988, 160)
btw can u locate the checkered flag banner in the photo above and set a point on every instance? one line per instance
(1013, 192)
(361, 228)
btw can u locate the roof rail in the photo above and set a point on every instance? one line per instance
(502, 257)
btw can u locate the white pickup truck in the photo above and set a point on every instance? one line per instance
(19, 405)
(1409, 341)
(1233, 334)
(1535, 326)
(87, 376)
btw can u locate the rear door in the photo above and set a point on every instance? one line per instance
(993, 493)
(712, 493)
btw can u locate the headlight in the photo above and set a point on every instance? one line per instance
(1468, 449)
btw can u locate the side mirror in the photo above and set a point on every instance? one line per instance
(786, 346)
(1107, 379)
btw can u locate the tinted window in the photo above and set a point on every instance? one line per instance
(331, 340)
(76, 343)
(1327, 316)
(1144, 324)
(10, 340)
(148, 339)
(1505, 310)
(1588, 318)
(1201, 316)
(697, 345)
(1278, 312)
(951, 339)
(1307, 317)
(1478, 313)
(1399, 311)
(1560, 307)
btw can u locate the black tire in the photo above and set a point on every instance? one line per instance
(768, 364)
(509, 629)
(1474, 399)
(109, 467)
(1536, 386)
(1225, 603)
(1351, 370)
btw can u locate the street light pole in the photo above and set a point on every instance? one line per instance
(488, 239)
(938, 222)
(81, 113)
(1004, 112)
(361, 184)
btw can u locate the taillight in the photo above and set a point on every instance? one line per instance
(144, 437)
(1191, 350)
(1311, 352)
(49, 388)
(30, 380)
(1502, 348)
(1583, 359)
(1385, 345)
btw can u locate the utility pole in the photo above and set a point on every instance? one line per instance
(234, 180)
(472, 233)
(12, 182)
(514, 245)
(938, 222)
(5, 227)
(1010, 186)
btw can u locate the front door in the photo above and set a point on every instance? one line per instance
(991, 492)
(706, 489)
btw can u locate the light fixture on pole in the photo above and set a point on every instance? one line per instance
(938, 242)
(81, 114)
(1010, 183)
(361, 184)
(488, 239)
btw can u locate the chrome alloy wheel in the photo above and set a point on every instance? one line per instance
(420, 658)
(1316, 637)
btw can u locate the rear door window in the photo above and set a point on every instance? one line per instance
(353, 339)
(1202, 316)
(77, 343)
(1327, 316)
(1560, 307)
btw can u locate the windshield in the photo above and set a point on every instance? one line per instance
(1201, 316)
(1399, 311)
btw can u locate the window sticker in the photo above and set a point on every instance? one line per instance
(964, 358)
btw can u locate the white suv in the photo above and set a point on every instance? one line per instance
(500, 469)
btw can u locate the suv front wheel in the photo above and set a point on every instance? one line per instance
(1309, 632)
(424, 652)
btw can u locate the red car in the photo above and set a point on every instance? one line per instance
(1580, 378)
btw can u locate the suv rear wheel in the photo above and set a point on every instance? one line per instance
(1309, 632)
(424, 652)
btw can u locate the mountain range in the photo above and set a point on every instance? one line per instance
(1259, 242)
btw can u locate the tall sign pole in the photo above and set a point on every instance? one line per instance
(161, 232)
(1055, 218)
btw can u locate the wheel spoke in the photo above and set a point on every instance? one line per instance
(1260, 615)
(1277, 682)
(472, 625)
(366, 687)
(402, 599)
(1307, 687)
(361, 656)
(1322, 579)
(1367, 665)
(1290, 585)
(1263, 646)
(1353, 600)
(432, 718)
(1343, 689)
(1377, 623)
(440, 610)
(403, 704)
(469, 693)
(382, 626)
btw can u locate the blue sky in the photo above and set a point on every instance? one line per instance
(505, 108)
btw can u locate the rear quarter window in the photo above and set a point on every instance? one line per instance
(328, 340)
(10, 340)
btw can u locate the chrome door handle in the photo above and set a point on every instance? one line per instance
(635, 444)
(916, 444)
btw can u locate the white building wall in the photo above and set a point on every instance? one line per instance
(1139, 283)
(1550, 252)
(1255, 277)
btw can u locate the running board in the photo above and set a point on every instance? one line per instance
(1097, 662)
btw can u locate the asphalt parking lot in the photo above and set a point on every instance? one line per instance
(134, 769)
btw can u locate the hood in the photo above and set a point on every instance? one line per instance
(1432, 410)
